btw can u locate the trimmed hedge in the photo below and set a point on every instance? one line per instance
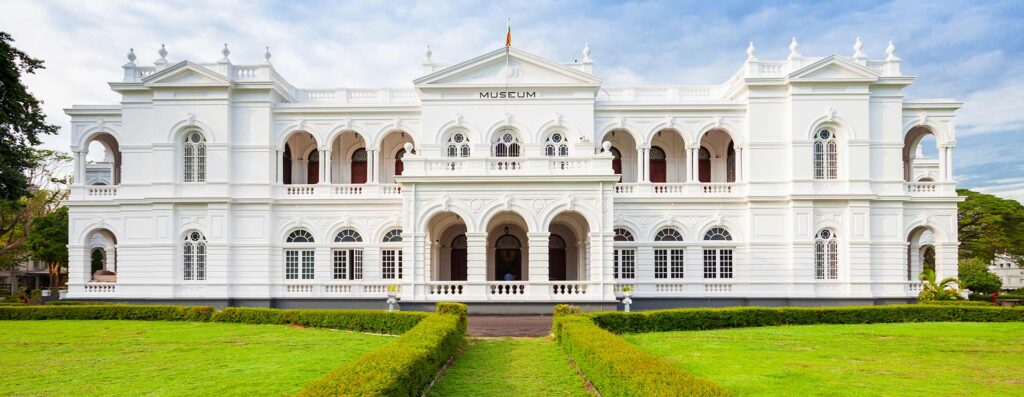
(957, 303)
(78, 303)
(375, 321)
(701, 319)
(403, 368)
(618, 368)
(108, 312)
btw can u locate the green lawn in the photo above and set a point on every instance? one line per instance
(510, 367)
(156, 358)
(912, 359)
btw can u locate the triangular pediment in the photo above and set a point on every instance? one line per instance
(186, 74)
(512, 68)
(834, 68)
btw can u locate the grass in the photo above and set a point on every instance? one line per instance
(510, 367)
(156, 358)
(910, 359)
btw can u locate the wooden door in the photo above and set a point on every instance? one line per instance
(458, 264)
(359, 166)
(657, 165)
(704, 165)
(313, 168)
(399, 166)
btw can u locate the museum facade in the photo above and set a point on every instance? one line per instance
(513, 179)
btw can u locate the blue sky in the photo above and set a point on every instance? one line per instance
(970, 51)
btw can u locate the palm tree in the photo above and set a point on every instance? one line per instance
(946, 290)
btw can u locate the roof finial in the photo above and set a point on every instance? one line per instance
(163, 52)
(427, 54)
(891, 52)
(225, 52)
(858, 46)
(793, 45)
(750, 52)
(586, 53)
(131, 56)
(266, 55)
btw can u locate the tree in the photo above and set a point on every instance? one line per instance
(989, 226)
(946, 290)
(22, 120)
(49, 186)
(48, 242)
(975, 276)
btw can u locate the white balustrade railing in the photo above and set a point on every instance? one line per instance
(101, 191)
(506, 166)
(568, 288)
(712, 288)
(100, 288)
(447, 289)
(921, 188)
(348, 190)
(678, 189)
(342, 191)
(719, 188)
(300, 190)
(668, 188)
(484, 166)
(507, 288)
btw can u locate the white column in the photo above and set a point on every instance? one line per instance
(476, 257)
(80, 167)
(739, 164)
(322, 166)
(949, 163)
(641, 176)
(538, 256)
(692, 168)
(279, 161)
(372, 161)
(328, 167)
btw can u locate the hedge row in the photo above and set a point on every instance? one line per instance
(375, 321)
(403, 368)
(700, 319)
(618, 368)
(958, 303)
(108, 312)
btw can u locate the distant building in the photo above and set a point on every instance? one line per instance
(30, 275)
(1008, 271)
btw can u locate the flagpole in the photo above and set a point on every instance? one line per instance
(508, 47)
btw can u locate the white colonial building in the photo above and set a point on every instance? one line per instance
(510, 178)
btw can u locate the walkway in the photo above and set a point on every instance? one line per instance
(518, 326)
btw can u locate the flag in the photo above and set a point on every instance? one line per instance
(508, 33)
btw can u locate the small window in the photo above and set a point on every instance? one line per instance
(458, 145)
(624, 265)
(717, 234)
(826, 153)
(623, 235)
(826, 255)
(393, 236)
(195, 157)
(668, 234)
(194, 257)
(348, 236)
(506, 144)
(556, 144)
(300, 236)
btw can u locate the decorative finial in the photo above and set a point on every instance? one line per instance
(891, 52)
(427, 54)
(131, 56)
(793, 45)
(163, 52)
(225, 52)
(750, 52)
(408, 148)
(858, 46)
(266, 55)
(586, 53)
(606, 145)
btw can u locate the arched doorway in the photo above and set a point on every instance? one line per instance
(624, 155)
(359, 166)
(507, 248)
(704, 165)
(313, 167)
(920, 252)
(101, 253)
(556, 258)
(458, 262)
(717, 157)
(508, 257)
(286, 165)
(392, 151)
(447, 252)
(399, 165)
(658, 165)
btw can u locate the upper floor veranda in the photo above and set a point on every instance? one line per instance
(829, 127)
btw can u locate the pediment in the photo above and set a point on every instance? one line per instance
(514, 68)
(186, 74)
(834, 68)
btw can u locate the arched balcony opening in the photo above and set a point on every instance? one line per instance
(101, 255)
(568, 247)
(392, 149)
(624, 151)
(448, 255)
(350, 159)
(507, 248)
(102, 161)
(296, 161)
(921, 161)
(921, 252)
(667, 158)
(716, 158)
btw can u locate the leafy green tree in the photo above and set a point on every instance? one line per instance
(48, 242)
(989, 226)
(49, 186)
(946, 290)
(975, 276)
(22, 120)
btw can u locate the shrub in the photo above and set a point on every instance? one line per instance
(975, 276)
(108, 312)
(375, 321)
(565, 310)
(618, 368)
(700, 319)
(77, 303)
(403, 368)
(959, 303)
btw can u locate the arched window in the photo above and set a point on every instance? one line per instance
(458, 145)
(826, 153)
(506, 144)
(359, 168)
(391, 258)
(195, 157)
(348, 236)
(826, 255)
(624, 258)
(194, 257)
(556, 145)
(347, 261)
(299, 262)
(718, 262)
(668, 262)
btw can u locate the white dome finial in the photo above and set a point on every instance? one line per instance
(225, 52)
(267, 55)
(858, 46)
(586, 53)
(891, 52)
(427, 54)
(750, 52)
(131, 56)
(163, 52)
(793, 45)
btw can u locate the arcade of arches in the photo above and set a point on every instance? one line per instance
(348, 161)
(667, 159)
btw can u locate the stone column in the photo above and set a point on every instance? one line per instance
(476, 257)
(538, 256)
(279, 161)
(328, 167)
(641, 176)
(322, 164)
(371, 162)
(80, 167)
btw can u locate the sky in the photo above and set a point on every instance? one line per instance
(969, 51)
